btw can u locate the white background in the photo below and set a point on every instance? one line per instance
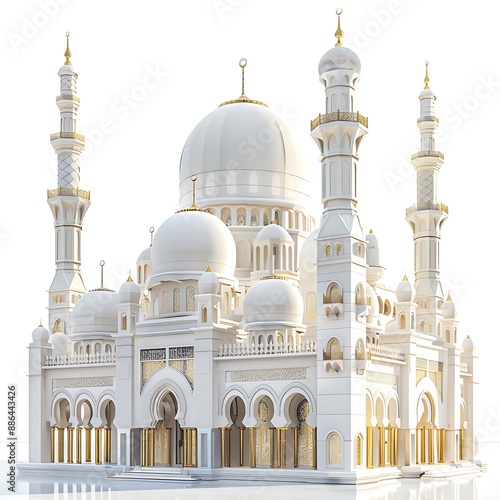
(135, 135)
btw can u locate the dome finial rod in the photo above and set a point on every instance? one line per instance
(339, 33)
(67, 54)
(102, 264)
(193, 178)
(243, 63)
(426, 79)
(151, 230)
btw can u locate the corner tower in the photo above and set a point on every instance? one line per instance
(67, 202)
(426, 217)
(341, 265)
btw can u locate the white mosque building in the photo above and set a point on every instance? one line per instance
(255, 341)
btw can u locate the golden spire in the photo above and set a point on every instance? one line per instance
(193, 179)
(129, 279)
(243, 63)
(67, 54)
(449, 297)
(426, 79)
(40, 325)
(405, 278)
(339, 33)
(371, 231)
(151, 230)
(208, 269)
(102, 263)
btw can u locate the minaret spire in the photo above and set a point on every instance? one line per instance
(67, 201)
(339, 33)
(426, 217)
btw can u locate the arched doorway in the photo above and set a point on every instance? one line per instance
(263, 449)
(109, 433)
(84, 415)
(392, 432)
(233, 435)
(58, 433)
(304, 435)
(168, 432)
(425, 430)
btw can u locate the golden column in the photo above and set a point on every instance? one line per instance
(314, 435)
(242, 445)
(78, 445)
(441, 438)
(190, 447)
(295, 446)
(281, 455)
(70, 445)
(381, 446)
(251, 446)
(88, 446)
(430, 447)
(144, 447)
(461, 446)
(97, 445)
(422, 445)
(60, 444)
(225, 446)
(107, 445)
(151, 447)
(369, 447)
(52, 444)
(168, 449)
(272, 434)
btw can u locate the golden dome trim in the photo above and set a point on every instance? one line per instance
(243, 98)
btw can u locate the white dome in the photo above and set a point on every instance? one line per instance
(405, 291)
(274, 232)
(467, 344)
(96, 312)
(448, 309)
(275, 301)
(242, 150)
(339, 58)
(129, 292)
(40, 335)
(59, 342)
(189, 241)
(308, 257)
(208, 283)
(144, 255)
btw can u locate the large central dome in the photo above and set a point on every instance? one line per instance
(243, 151)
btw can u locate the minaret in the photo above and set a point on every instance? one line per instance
(426, 217)
(341, 265)
(68, 203)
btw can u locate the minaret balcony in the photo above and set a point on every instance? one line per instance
(67, 135)
(424, 154)
(62, 191)
(429, 205)
(339, 116)
(67, 97)
(434, 119)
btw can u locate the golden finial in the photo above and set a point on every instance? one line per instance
(371, 231)
(129, 279)
(449, 297)
(151, 230)
(426, 79)
(405, 278)
(67, 54)
(40, 325)
(243, 63)
(208, 269)
(339, 33)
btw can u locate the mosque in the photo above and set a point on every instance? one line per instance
(273, 350)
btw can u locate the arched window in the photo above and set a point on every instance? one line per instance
(338, 249)
(124, 321)
(311, 305)
(177, 300)
(276, 216)
(360, 295)
(139, 274)
(327, 250)
(422, 327)
(402, 321)
(107, 349)
(241, 217)
(97, 348)
(266, 217)
(387, 308)
(146, 272)
(59, 326)
(359, 350)
(164, 302)
(225, 306)
(204, 314)
(334, 449)
(257, 259)
(359, 449)
(447, 336)
(226, 216)
(190, 302)
(334, 349)
(333, 294)
(87, 350)
(254, 218)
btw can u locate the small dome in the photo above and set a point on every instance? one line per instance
(96, 312)
(40, 335)
(145, 255)
(273, 232)
(59, 342)
(339, 58)
(273, 301)
(189, 241)
(208, 282)
(448, 309)
(467, 344)
(308, 257)
(129, 292)
(405, 291)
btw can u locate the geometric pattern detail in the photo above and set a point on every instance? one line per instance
(263, 450)
(381, 378)
(148, 369)
(270, 374)
(334, 103)
(311, 305)
(190, 303)
(334, 449)
(69, 170)
(75, 383)
(184, 366)
(425, 183)
(344, 102)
